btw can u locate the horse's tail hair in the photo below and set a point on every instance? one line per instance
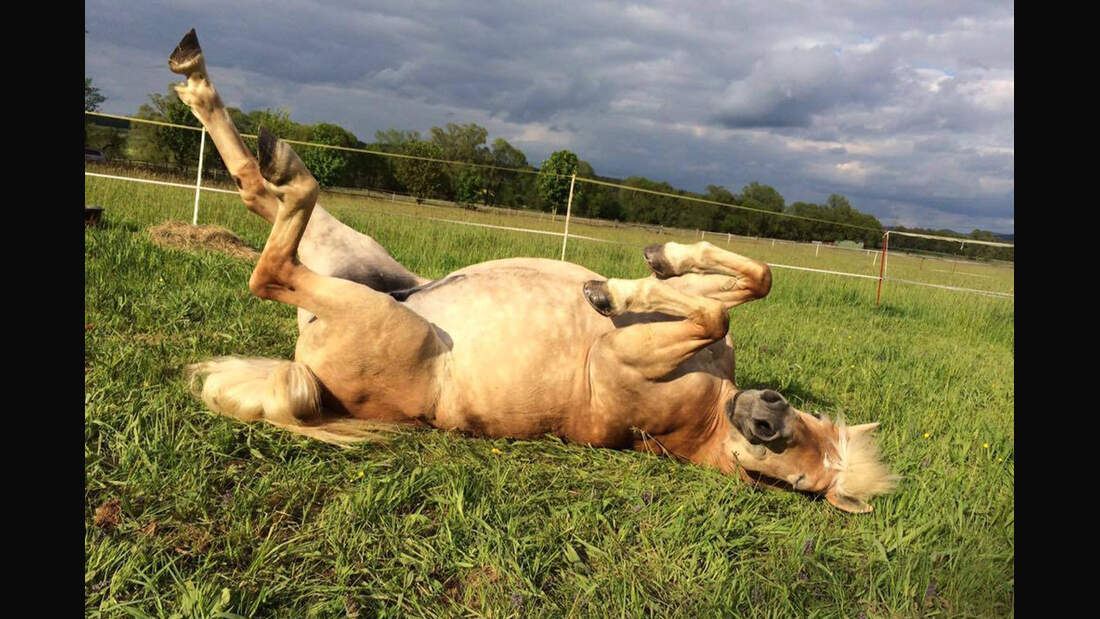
(283, 393)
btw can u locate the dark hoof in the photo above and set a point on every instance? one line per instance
(266, 155)
(655, 258)
(187, 56)
(273, 158)
(598, 295)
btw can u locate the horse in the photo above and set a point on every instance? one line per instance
(515, 348)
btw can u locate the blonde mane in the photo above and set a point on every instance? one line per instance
(860, 471)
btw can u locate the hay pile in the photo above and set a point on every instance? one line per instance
(182, 235)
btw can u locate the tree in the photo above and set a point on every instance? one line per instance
(553, 181)
(728, 219)
(421, 178)
(395, 140)
(601, 203)
(92, 101)
(327, 165)
(646, 207)
(507, 156)
(462, 142)
(719, 193)
(92, 97)
(278, 122)
(762, 198)
(169, 144)
(501, 185)
(470, 188)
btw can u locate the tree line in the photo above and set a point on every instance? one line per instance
(959, 248)
(504, 177)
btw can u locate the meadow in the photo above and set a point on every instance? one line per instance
(193, 515)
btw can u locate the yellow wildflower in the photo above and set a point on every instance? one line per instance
(497, 451)
(927, 435)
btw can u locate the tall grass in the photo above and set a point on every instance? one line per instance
(217, 517)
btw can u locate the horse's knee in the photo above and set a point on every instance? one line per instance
(713, 320)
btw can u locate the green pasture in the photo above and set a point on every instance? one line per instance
(188, 514)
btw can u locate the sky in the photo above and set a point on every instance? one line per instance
(906, 109)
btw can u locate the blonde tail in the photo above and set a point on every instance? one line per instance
(283, 393)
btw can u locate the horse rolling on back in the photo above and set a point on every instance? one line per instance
(515, 348)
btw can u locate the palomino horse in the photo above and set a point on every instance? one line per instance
(514, 348)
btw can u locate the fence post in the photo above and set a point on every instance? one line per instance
(882, 267)
(568, 211)
(198, 179)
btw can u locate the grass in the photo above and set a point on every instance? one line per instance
(189, 514)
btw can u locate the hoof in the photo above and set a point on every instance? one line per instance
(266, 155)
(187, 57)
(599, 296)
(655, 258)
(276, 158)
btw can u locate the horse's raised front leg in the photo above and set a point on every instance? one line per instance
(705, 270)
(655, 349)
(328, 246)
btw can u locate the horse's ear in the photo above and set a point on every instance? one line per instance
(847, 503)
(862, 428)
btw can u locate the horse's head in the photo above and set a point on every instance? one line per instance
(775, 444)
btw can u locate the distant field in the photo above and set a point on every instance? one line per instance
(940, 271)
(202, 516)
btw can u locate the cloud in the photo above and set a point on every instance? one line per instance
(908, 110)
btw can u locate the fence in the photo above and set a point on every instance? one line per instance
(879, 259)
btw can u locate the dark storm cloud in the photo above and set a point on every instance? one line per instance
(905, 109)
(787, 88)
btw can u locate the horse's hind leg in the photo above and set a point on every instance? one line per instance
(328, 246)
(368, 359)
(279, 275)
(705, 270)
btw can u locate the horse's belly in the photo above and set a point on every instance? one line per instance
(519, 338)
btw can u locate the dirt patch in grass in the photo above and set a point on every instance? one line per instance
(476, 579)
(182, 235)
(108, 515)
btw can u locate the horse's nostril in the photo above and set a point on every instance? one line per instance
(770, 396)
(763, 428)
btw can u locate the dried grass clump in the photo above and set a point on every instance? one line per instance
(182, 235)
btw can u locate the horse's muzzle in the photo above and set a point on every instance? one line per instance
(761, 415)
